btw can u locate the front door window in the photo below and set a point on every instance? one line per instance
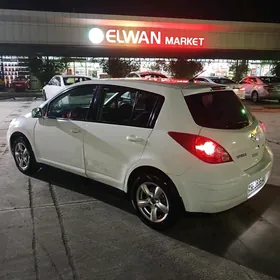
(74, 104)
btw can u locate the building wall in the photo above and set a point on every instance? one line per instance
(65, 29)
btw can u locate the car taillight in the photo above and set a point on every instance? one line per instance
(262, 126)
(202, 147)
(242, 89)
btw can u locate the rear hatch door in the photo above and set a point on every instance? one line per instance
(224, 119)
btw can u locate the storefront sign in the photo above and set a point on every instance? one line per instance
(119, 36)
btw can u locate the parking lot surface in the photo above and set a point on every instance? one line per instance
(61, 226)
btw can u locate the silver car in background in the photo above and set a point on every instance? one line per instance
(261, 87)
(237, 88)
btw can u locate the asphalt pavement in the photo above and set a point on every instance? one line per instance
(61, 226)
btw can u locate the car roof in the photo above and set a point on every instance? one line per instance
(147, 72)
(151, 85)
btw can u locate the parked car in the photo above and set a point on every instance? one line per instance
(20, 83)
(261, 87)
(59, 82)
(237, 88)
(146, 74)
(173, 147)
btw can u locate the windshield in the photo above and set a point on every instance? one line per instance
(73, 80)
(152, 75)
(219, 110)
(270, 79)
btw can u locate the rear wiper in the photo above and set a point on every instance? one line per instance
(243, 123)
(236, 125)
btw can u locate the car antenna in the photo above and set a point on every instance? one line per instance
(198, 74)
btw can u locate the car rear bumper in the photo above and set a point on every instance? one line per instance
(210, 197)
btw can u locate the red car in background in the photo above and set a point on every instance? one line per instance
(20, 84)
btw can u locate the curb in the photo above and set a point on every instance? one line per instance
(20, 95)
(265, 110)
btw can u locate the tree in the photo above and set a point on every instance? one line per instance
(239, 70)
(118, 67)
(44, 68)
(275, 70)
(158, 65)
(183, 68)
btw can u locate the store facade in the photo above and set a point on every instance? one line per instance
(65, 34)
(29, 33)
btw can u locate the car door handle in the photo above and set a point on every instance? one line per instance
(75, 130)
(133, 138)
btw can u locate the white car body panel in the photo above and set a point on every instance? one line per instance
(108, 153)
(64, 145)
(102, 152)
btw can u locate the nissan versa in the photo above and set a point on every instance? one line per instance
(173, 147)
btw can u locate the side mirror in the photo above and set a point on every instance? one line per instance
(37, 113)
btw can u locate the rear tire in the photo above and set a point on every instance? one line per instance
(156, 201)
(255, 97)
(24, 156)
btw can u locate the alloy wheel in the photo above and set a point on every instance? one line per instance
(22, 156)
(152, 202)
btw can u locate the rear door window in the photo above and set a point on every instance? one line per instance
(128, 106)
(218, 110)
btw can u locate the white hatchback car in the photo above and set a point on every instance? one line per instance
(171, 146)
(59, 82)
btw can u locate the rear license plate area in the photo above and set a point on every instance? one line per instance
(256, 185)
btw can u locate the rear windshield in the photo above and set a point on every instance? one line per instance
(219, 110)
(270, 79)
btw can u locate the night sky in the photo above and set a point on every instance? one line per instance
(246, 10)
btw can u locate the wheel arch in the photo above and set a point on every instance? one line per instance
(16, 135)
(254, 91)
(148, 169)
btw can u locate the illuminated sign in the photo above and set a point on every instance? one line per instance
(128, 36)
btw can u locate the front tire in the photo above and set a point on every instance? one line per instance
(24, 156)
(156, 201)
